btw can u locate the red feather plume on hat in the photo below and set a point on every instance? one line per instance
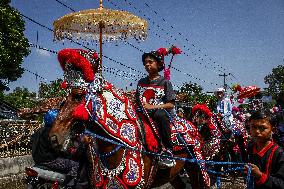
(203, 108)
(206, 111)
(72, 56)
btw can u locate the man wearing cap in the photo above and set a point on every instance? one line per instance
(224, 106)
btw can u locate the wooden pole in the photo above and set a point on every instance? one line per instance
(101, 25)
(101, 4)
(101, 47)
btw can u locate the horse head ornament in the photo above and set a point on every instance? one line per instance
(79, 68)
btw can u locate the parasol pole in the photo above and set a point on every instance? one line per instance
(101, 4)
(101, 25)
(101, 47)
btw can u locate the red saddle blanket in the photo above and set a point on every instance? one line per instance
(183, 132)
(115, 113)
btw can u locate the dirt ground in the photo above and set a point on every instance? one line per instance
(13, 182)
(17, 182)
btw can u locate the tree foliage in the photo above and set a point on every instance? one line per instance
(13, 44)
(21, 98)
(193, 94)
(51, 90)
(275, 81)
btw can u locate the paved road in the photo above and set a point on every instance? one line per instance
(226, 183)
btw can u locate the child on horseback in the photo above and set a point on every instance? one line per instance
(180, 113)
(264, 156)
(156, 95)
(210, 135)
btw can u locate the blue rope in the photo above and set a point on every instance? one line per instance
(136, 149)
(218, 182)
(111, 152)
(249, 180)
(156, 154)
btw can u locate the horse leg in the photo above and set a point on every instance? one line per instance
(83, 178)
(241, 143)
(195, 176)
(178, 183)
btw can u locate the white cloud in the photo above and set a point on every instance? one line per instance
(43, 52)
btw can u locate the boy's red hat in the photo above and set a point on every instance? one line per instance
(203, 108)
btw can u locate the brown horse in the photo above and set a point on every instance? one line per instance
(113, 165)
(119, 155)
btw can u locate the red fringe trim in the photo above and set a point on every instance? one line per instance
(81, 113)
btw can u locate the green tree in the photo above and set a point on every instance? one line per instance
(21, 98)
(194, 95)
(51, 90)
(192, 91)
(13, 44)
(275, 81)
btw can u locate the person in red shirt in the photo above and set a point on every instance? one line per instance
(264, 156)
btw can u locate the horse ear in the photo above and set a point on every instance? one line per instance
(95, 67)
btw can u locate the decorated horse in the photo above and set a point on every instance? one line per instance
(119, 154)
(232, 147)
(239, 135)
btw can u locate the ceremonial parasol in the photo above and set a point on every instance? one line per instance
(98, 25)
(248, 92)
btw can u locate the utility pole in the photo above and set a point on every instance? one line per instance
(224, 75)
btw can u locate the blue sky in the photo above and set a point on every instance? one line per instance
(241, 37)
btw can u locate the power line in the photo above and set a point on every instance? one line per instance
(37, 76)
(195, 77)
(65, 5)
(144, 51)
(32, 20)
(150, 20)
(165, 31)
(183, 52)
(42, 48)
(109, 69)
(184, 36)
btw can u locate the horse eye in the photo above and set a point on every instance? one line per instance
(78, 97)
(62, 104)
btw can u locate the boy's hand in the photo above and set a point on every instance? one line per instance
(148, 106)
(86, 139)
(254, 170)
